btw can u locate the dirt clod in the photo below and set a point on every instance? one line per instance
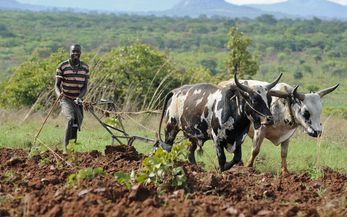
(14, 161)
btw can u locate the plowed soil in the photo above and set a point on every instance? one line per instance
(38, 187)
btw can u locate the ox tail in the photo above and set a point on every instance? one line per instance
(166, 100)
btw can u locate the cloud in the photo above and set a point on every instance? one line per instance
(342, 2)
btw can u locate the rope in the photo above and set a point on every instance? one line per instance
(258, 112)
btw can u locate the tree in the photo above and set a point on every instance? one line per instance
(240, 59)
(298, 75)
(267, 19)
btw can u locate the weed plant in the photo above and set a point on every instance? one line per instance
(160, 169)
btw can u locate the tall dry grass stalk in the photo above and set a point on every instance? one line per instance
(158, 97)
(152, 81)
(319, 143)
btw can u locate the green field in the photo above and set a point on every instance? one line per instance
(135, 60)
(305, 153)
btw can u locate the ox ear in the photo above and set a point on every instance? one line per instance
(242, 87)
(324, 92)
(278, 93)
(298, 95)
(270, 86)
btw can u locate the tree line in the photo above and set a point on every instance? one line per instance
(310, 53)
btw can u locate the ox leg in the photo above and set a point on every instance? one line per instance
(171, 131)
(284, 151)
(221, 155)
(192, 148)
(237, 156)
(257, 141)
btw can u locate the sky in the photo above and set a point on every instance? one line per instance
(124, 5)
(240, 2)
(137, 5)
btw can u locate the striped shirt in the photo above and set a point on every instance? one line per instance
(73, 78)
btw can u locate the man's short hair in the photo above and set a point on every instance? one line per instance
(75, 47)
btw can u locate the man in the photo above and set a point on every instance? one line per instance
(71, 84)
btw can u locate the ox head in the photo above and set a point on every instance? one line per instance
(307, 108)
(257, 102)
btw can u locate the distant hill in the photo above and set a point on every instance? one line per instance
(14, 5)
(195, 8)
(307, 9)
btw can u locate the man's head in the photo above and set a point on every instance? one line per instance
(75, 53)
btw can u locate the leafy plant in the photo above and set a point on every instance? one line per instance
(314, 172)
(85, 174)
(72, 149)
(159, 169)
(44, 161)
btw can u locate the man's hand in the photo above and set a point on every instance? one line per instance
(78, 101)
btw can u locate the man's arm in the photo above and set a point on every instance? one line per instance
(84, 89)
(57, 86)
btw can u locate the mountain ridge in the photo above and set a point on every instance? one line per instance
(15, 5)
(196, 8)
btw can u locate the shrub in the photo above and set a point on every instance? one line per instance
(30, 79)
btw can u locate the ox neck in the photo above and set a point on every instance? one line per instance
(291, 101)
(255, 110)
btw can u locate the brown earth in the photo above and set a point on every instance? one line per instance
(37, 187)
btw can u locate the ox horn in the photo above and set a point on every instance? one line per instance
(279, 94)
(324, 92)
(270, 86)
(298, 95)
(241, 86)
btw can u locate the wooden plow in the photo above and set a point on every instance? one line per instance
(116, 133)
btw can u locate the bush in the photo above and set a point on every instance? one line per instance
(135, 77)
(30, 79)
(312, 88)
(298, 75)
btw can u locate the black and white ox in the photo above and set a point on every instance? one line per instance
(206, 111)
(290, 109)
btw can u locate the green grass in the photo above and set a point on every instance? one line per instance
(305, 153)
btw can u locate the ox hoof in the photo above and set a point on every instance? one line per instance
(249, 164)
(192, 162)
(240, 163)
(285, 173)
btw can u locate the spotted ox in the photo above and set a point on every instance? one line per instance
(206, 111)
(290, 110)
